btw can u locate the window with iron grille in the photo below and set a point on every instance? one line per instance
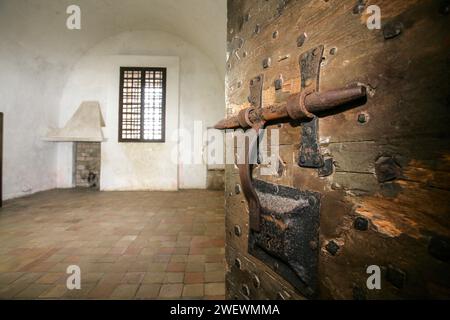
(142, 104)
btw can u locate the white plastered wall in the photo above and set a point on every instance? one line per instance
(39, 55)
(144, 166)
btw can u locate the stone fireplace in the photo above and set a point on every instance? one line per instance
(84, 129)
(87, 164)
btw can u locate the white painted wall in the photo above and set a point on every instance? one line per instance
(124, 166)
(37, 55)
(144, 166)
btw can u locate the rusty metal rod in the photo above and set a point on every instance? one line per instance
(319, 102)
(315, 102)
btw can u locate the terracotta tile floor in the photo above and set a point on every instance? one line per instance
(128, 245)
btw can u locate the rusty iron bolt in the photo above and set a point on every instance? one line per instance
(301, 39)
(237, 263)
(267, 63)
(359, 7)
(245, 290)
(278, 84)
(362, 118)
(256, 282)
(237, 230)
(315, 52)
(361, 224)
(392, 29)
(332, 247)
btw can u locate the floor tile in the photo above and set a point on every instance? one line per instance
(32, 291)
(174, 277)
(194, 277)
(171, 291)
(214, 289)
(138, 245)
(193, 290)
(148, 291)
(125, 291)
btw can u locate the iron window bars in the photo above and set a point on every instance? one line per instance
(142, 104)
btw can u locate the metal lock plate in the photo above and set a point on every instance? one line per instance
(289, 233)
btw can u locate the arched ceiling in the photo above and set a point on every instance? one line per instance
(40, 25)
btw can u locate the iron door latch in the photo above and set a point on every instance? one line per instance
(284, 221)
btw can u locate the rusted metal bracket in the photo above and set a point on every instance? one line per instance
(245, 175)
(310, 155)
(245, 170)
(248, 118)
(310, 68)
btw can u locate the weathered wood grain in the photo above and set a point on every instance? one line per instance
(406, 120)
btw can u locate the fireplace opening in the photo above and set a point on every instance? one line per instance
(87, 156)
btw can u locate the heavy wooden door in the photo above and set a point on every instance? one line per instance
(386, 201)
(1, 159)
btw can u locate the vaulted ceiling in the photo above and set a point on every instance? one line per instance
(41, 24)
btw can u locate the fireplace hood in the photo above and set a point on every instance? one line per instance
(85, 125)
